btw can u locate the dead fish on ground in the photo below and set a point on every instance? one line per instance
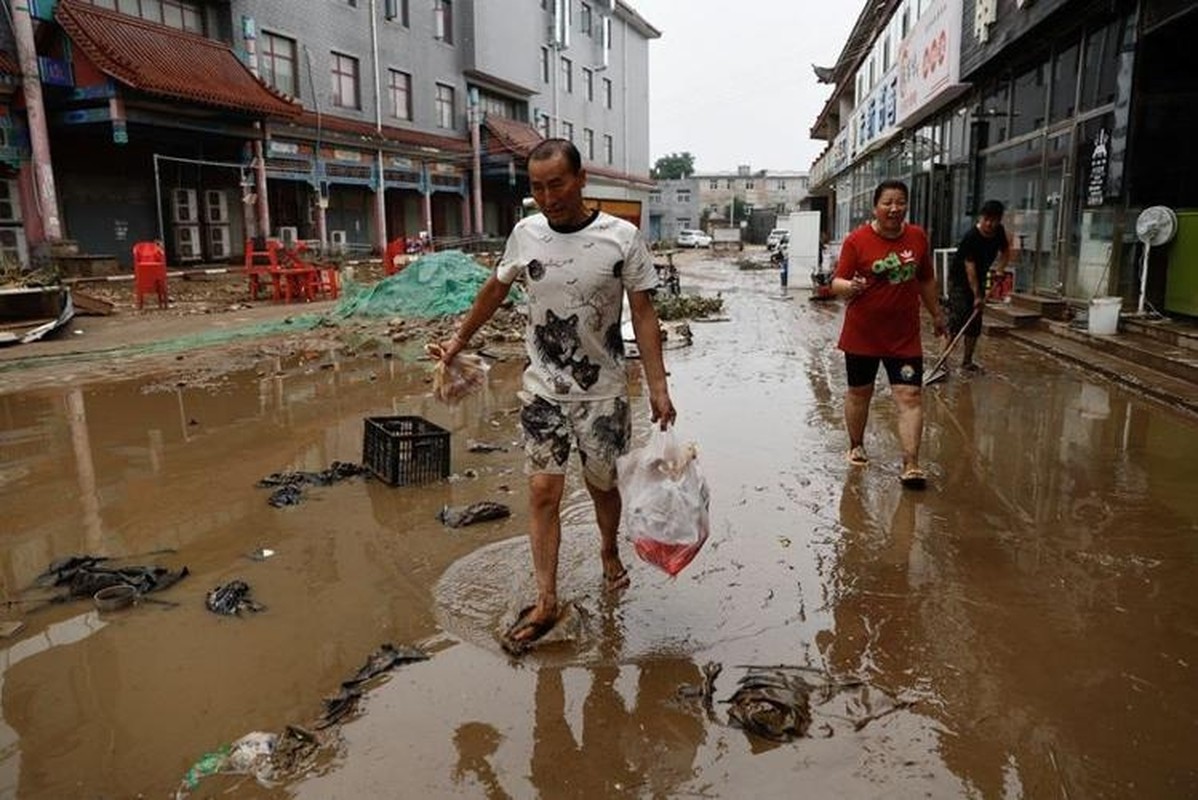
(231, 599)
(772, 702)
(483, 511)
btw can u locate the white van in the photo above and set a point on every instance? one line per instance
(775, 238)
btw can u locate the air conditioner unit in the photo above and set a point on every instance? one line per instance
(288, 235)
(187, 243)
(338, 241)
(183, 206)
(216, 207)
(219, 242)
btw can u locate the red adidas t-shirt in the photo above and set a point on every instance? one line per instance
(884, 319)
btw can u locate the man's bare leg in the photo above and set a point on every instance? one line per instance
(909, 400)
(971, 342)
(607, 514)
(545, 537)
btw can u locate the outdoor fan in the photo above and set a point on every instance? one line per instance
(1155, 226)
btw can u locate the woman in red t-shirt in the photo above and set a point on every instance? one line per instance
(885, 270)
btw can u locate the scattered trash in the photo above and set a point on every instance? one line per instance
(483, 511)
(705, 691)
(772, 702)
(115, 597)
(382, 660)
(291, 485)
(85, 575)
(231, 599)
(475, 446)
(261, 554)
(10, 628)
(687, 307)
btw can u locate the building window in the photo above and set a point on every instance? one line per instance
(545, 65)
(10, 203)
(345, 82)
(748, 184)
(684, 223)
(568, 131)
(496, 106)
(682, 195)
(588, 144)
(568, 75)
(443, 20)
(588, 83)
(182, 14)
(397, 10)
(609, 149)
(607, 92)
(400, 90)
(1104, 49)
(782, 186)
(444, 106)
(729, 186)
(655, 196)
(543, 126)
(276, 63)
(585, 20)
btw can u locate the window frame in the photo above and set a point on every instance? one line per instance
(339, 60)
(443, 21)
(268, 53)
(393, 97)
(441, 104)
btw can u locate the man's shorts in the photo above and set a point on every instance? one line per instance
(862, 370)
(600, 429)
(960, 306)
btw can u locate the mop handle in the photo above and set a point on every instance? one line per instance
(940, 361)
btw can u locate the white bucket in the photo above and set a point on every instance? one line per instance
(1104, 315)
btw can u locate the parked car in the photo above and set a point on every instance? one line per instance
(775, 238)
(692, 238)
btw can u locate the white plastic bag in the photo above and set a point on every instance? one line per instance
(466, 374)
(665, 501)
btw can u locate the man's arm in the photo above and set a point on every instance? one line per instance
(490, 297)
(971, 275)
(648, 341)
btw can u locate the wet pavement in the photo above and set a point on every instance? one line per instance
(1024, 628)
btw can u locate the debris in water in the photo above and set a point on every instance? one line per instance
(231, 599)
(772, 702)
(483, 511)
(290, 485)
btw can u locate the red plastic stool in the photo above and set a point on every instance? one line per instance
(395, 249)
(149, 272)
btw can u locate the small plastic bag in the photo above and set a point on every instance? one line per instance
(665, 502)
(466, 373)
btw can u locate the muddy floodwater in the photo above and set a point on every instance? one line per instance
(1026, 627)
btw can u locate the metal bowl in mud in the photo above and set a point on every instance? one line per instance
(112, 598)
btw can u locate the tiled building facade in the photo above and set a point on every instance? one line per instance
(368, 119)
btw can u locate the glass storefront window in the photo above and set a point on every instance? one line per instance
(1064, 83)
(1029, 101)
(996, 107)
(1103, 50)
(1013, 177)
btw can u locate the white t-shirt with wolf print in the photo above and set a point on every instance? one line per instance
(575, 282)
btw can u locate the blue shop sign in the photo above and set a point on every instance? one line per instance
(55, 72)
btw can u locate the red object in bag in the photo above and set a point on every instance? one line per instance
(665, 502)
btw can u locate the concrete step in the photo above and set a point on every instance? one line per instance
(1130, 370)
(1138, 349)
(1172, 333)
(1011, 314)
(1047, 307)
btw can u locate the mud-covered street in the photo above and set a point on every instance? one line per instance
(1025, 627)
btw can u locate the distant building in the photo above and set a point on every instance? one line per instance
(761, 198)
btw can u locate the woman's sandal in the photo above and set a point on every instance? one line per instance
(524, 632)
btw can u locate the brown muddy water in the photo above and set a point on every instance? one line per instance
(1024, 628)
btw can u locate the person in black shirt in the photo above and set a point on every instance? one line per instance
(983, 248)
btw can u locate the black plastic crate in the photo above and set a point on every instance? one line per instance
(405, 450)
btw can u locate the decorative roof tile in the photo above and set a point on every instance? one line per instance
(165, 61)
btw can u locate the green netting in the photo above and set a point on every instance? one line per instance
(435, 285)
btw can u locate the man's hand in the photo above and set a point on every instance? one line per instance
(662, 409)
(446, 350)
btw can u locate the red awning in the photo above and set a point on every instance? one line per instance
(165, 61)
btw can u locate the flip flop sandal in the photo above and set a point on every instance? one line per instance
(857, 457)
(615, 583)
(914, 478)
(517, 645)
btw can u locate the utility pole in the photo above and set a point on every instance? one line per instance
(39, 139)
(475, 114)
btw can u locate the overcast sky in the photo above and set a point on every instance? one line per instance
(731, 82)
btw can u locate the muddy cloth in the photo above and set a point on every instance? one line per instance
(289, 486)
(231, 599)
(85, 575)
(382, 660)
(483, 511)
(772, 702)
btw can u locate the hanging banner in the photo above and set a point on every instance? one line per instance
(929, 59)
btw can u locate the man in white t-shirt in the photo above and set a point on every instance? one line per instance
(577, 264)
